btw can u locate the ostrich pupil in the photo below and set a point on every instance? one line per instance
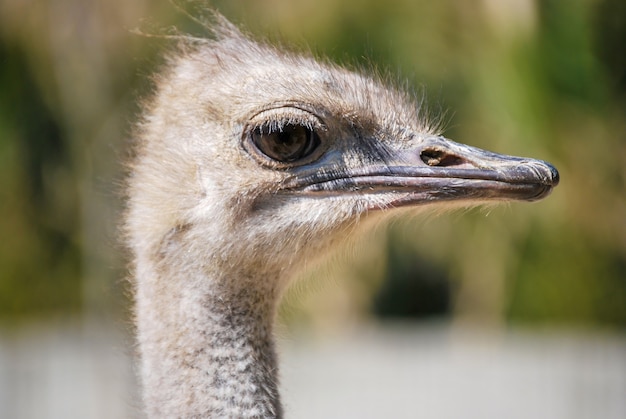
(292, 143)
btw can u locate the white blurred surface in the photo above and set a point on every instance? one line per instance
(390, 371)
(409, 372)
(66, 371)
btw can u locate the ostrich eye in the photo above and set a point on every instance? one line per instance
(289, 144)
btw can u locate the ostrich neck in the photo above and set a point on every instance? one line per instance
(206, 347)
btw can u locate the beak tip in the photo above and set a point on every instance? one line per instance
(550, 179)
(555, 177)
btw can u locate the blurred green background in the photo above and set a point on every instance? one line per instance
(545, 79)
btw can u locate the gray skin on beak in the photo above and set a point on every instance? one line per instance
(436, 170)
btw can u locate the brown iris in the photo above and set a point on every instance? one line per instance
(288, 144)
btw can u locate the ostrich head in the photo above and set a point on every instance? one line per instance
(284, 153)
(250, 162)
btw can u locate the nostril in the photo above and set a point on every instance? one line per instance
(436, 157)
(431, 157)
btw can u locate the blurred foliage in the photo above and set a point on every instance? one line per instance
(545, 79)
(39, 202)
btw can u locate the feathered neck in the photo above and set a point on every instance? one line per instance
(207, 350)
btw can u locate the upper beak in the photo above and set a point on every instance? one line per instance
(436, 170)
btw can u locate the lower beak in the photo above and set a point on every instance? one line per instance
(437, 170)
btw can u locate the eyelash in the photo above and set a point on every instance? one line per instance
(276, 119)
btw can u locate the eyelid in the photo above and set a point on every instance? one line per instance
(275, 119)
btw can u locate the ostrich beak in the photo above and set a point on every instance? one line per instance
(436, 170)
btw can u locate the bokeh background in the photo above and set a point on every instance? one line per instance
(544, 79)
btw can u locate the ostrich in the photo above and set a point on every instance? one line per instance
(252, 163)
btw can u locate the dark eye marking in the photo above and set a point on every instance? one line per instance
(287, 144)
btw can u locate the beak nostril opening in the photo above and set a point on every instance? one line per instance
(435, 157)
